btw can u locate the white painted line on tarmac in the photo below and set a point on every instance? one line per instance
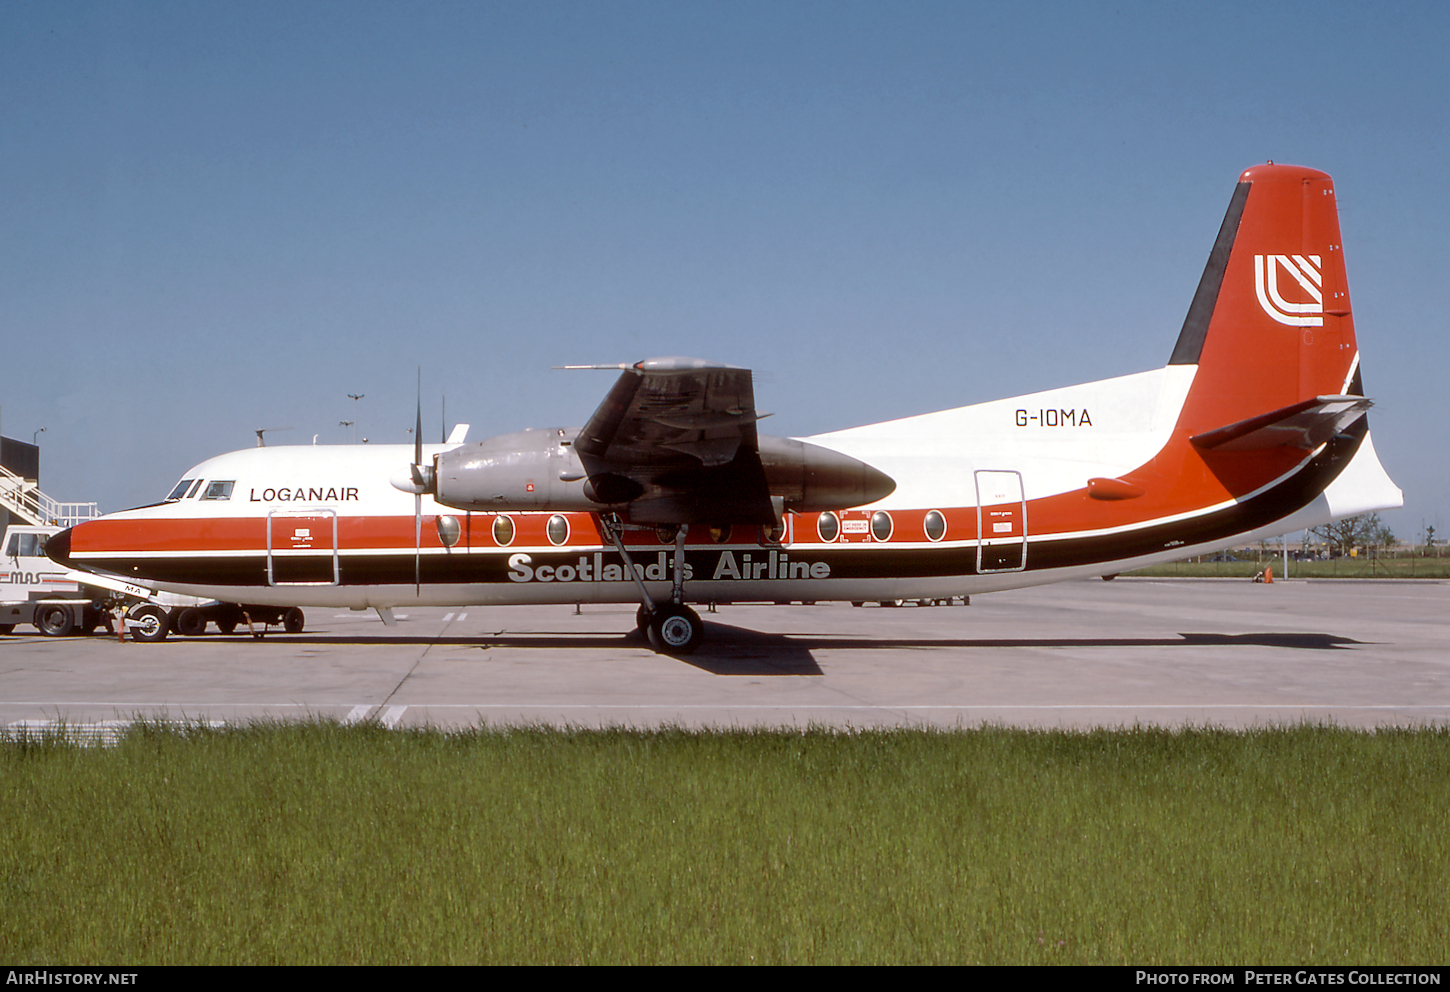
(761, 706)
(932, 706)
(447, 617)
(392, 715)
(357, 714)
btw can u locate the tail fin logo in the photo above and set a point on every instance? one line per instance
(1305, 271)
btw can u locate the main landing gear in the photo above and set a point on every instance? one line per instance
(672, 628)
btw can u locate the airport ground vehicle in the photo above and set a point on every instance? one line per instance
(59, 601)
(35, 590)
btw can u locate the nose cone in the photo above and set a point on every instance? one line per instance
(57, 548)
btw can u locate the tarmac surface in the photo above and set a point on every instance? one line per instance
(1168, 652)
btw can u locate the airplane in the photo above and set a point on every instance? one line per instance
(668, 495)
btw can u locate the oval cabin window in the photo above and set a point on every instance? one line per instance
(828, 526)
(881, 525)
(936, 526)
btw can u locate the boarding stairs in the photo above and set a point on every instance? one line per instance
(24, 499)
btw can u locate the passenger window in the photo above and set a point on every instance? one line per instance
(881, 525)
(219, 490)
(936, 526)
(828, 526)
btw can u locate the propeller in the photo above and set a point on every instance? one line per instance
(418, 479)
(421, 481)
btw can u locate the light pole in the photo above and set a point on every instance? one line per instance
(35, 438)
(355, 397)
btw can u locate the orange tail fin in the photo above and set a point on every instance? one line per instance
(1270, 325)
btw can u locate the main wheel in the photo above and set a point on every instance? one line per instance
(55, 620)
(676, 629)
(7, 628)
(191, 622)
(293, 620)
(642, 617)
(148, 623)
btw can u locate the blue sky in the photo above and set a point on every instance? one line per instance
(220, 217)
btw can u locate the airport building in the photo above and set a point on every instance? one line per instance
(19, 481)
(21, 501)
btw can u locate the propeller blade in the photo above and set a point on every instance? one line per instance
(418, 497)
(418, 427)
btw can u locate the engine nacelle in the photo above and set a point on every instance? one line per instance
(812, 478)
(540, 470)
(530, 470)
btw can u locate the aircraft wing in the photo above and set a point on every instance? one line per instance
(676, 438)
(668, 407)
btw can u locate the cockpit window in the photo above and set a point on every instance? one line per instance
(180, 490)
(219, 490)
(194, 488)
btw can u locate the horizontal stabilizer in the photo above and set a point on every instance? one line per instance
(1306, 424)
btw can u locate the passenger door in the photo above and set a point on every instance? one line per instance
(1001, 522)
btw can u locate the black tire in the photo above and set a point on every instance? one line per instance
(54, 619)
(191, 622)
(676, 630)
(7, 628)
(642, 618)
(148, 623)
(293, 621)
(227, 626)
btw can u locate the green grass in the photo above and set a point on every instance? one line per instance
(1381, 567)
(317, 843)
